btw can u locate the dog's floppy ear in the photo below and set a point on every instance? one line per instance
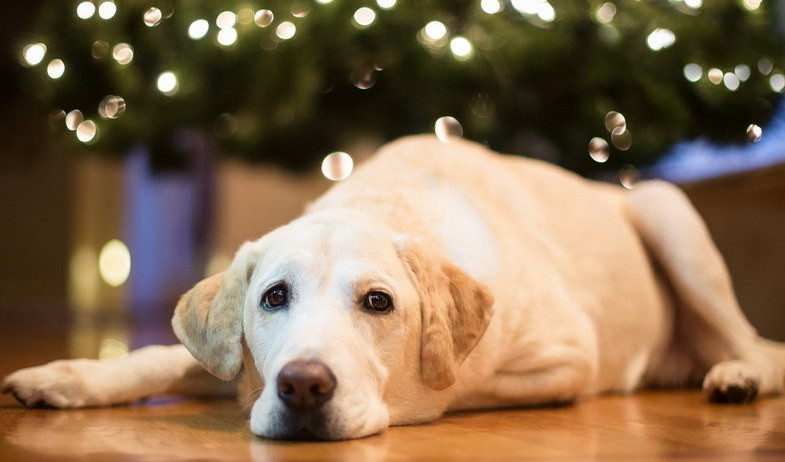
(456, 310)
(208, 319)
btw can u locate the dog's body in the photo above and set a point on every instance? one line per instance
(443, 276)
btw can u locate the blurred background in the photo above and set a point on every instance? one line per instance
(141, 142)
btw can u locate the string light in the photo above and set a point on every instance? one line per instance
(86, 131)
(491, 6)
(777, 82)
(227, 37)
(751, 5)
(285, 30)
(225, 20)
(754, 133)
(107, 10)
(114, 263)
(123, 53)
(435, 30)
(599, 151)
(461, 48)
(152, 17)
(386, 4)
(731, 81)
(447, 128)
(660, 38)
(694, 4)
(85, 10)
(715, 76)
(111, 107)
(167, 83)
(55, 69)
(743, 72)
(73, 119)
(198, 29)
(605, 13)
(693, 72)
(263, 18)
(364, 17)
(33, 53)
(337, 166)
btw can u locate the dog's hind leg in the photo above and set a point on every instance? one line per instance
(710, 322)
(149, 371)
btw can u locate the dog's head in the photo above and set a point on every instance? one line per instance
(349, 327)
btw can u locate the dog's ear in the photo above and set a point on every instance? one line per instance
(456, 310)
(208, 319)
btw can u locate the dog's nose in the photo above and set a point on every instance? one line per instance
(305, 385)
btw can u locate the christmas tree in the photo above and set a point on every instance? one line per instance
(290, 81)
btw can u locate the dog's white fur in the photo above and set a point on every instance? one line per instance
(514, 283)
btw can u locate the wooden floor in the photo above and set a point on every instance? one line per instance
(647, 426)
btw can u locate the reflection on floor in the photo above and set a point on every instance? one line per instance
(646, 426)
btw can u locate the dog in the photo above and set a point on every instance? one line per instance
(440, 277)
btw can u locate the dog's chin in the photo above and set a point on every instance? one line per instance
(314, 426)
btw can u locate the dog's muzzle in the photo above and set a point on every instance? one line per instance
(304, 386)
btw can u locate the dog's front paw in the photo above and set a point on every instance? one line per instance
(58, 384)
(732, 382)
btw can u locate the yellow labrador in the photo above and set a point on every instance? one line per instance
(442, 277)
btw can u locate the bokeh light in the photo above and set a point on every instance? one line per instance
(55, 69)
(227, 36)
(226, 19)
(85, 10)
(337, 166)
(114, 263)
(111, 107)
(447, 128)
(629, 176)
(285, 30)
(33, 53)
(364, 17)
(491, 6)
(167, 83)
(754, 133)
(107, 10)
(86, 131)
(73, 119)
(198, 29)
(386, 4)
(693, 72)
(461, 48)
(152, 17)
(123, 53)
(599, 150)
(263, 18)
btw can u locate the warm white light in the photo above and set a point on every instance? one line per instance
(198, 29)
(152, 17)
(777, 82)
(114, 263)
(263, 18)
(546, 12)
(285, 30)
(73, 119)
(731, 81)
(461, 48)
(435, 30)
(337, 166)
(167, 83)
(226, 20)
(491, 6)
(123, 53)
(111, 107)
(527, 6)
(55, 69)
(85, 10)
(751, 5)
(112, 349)
(606, 12)
(364, 16)
(765, 66)
(227, 37)
(693, 72)
(694, 4)
(446, 128)
(86, 131)
(715, 76)
(324, 2)
(743, 72)
(107, 10)
(386, 4)
(34, 53)
(660, 38)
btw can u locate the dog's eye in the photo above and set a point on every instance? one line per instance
(275, 297)
(378, 302)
